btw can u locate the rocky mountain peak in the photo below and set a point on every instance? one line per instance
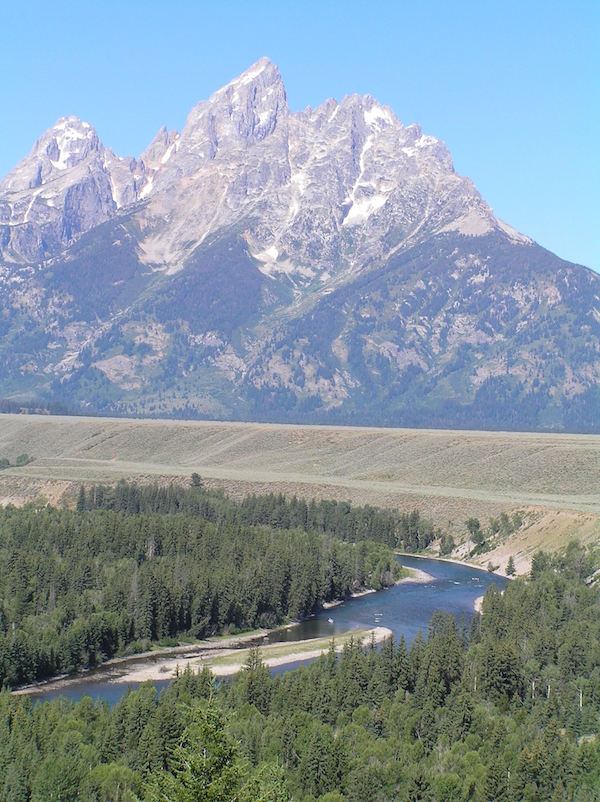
(71, 140)
(68, 143)
(157, 152)
(326, 187)
(68, 184)
(245, 111)
(327, 265)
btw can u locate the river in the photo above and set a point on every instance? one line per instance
(404, 609)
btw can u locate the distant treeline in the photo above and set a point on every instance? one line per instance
(8, 405)
(503, 710)
(406, 531)
(133, 564)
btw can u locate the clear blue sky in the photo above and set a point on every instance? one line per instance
(512, 88)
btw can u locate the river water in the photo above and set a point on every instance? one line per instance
(404, 609)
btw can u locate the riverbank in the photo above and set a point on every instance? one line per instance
(416, 576)
(475, 566)
(222, 659)
(355, 595)
(163, 663)
(118, 667)
(277, 654)
(403, 610)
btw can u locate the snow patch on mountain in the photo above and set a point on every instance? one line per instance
(326, 186)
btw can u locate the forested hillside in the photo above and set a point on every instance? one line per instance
(507, 709)
(137, 564)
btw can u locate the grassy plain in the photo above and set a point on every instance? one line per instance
(448, 475)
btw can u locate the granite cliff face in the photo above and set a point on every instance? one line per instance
(326, 264)
(323, 189)
(68, 184)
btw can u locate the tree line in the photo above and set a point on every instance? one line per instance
(403, 530)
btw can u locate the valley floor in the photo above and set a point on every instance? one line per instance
(554, 479)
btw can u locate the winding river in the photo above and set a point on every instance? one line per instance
(405, 609)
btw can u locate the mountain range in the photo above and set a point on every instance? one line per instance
(327, 265)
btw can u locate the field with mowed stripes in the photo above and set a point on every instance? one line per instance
(448, 475)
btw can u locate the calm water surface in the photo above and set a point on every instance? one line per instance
(405, 609)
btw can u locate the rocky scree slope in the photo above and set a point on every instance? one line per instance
(323, 265)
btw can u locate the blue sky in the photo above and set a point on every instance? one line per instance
(512, 88)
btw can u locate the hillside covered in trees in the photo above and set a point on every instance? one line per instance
(134, 564)
(507, 709)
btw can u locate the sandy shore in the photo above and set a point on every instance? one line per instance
(225, 653)
(416, 577)
(477, 604)
(119, 669)
(227, 661)
(278, 655)
(357, 594)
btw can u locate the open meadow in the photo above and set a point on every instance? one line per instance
(448, 475)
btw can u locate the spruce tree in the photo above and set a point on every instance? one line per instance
(81, 500)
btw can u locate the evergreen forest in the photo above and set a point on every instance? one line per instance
(503, 708)
(135, 564)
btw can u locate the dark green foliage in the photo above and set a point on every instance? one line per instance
(136, 564)
(509, 712)
(81, 500)
(455, 719)
(475, 533)
(408, 531)
(500, 527)
(204, 765)
(447, 544)
(20, 462)
(539, 562)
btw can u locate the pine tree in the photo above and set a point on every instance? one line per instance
(205, 764)
(319, 763)
(510, 567)
(81, 500)
(257, 681)
(419, 788)
(206, 768)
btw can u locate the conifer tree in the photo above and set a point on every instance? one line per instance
(81, 500)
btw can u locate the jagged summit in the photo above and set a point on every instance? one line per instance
(61, 147)
(349, 173)
(260, 76)
(346, 172)
(67, 184)
(327, 264)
